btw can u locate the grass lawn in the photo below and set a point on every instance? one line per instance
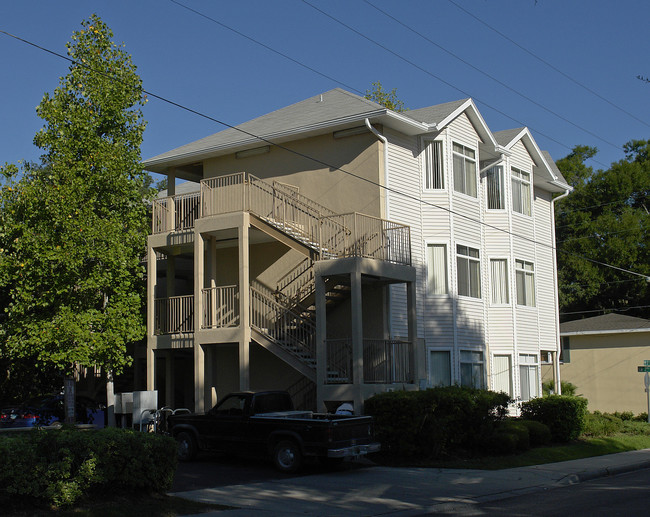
(118, 506)
(583, 448)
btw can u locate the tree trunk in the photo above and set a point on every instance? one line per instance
(110, 399)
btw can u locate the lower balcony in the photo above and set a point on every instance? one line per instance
(385, 361)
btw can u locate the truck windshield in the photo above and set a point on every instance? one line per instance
(233, 405)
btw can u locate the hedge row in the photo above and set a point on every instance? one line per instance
(564, 415)
(57, 467)
(436, 421)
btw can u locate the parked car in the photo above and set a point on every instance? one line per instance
(49, 409)
(264, 425)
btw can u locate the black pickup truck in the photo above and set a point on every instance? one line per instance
(264, 424)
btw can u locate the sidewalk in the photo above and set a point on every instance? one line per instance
(402, 492)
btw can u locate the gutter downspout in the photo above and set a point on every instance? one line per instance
(556, 355)
(384, 140)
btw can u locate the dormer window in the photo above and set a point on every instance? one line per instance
(464, 170)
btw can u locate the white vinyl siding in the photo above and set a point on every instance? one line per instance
(440, 368)
(499, 281)
(437, 269)
(433, 166)
(520, 191)
(495, 188)
(468, 267)
(502, 375)
(464, 164)
(529, 376)
(472, 369)
(525, 275)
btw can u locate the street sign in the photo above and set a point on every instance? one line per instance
(643, 368)
(646, 362)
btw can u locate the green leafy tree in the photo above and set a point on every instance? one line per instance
(73, 231)
(605, 219)
(385, 98)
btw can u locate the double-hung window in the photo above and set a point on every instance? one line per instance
(528, 376)
(437, 269)
(495, 188)
(472, 369)
(525, 274)
(464, 170)
(468, 265)
(502, 374)
(433, 169)
(499, 281)
(520, 191)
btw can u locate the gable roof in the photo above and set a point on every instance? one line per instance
(545, 174)
(606, 324)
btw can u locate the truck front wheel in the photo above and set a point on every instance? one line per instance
(186, 446)
(287, 456)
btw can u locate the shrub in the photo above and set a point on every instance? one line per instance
(641, 417)
(57, 467)
(501, 443)
(548, 388)
(518, 430)
(539, 433)
(436, 421)
(624, 415)
(601, 424)
(564, 415)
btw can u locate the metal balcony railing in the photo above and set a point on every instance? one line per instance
(220, 307)
(174, 315)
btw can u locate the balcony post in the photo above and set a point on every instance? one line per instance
(199, 359)
(357, 338)
(244, 304)
(321, 343)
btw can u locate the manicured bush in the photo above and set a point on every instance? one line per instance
(624, 415)
(641, 417)
(436, 421)
(501, 443)
(57, 467)
(539, 433)
(564, 415)
(517, 429)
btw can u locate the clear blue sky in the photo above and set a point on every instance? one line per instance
(198, 63)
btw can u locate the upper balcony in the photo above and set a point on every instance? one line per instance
(330, 235)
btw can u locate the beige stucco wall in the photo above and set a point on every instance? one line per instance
(604, 369)
(358, 154)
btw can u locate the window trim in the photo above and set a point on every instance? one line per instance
(472, 259)
(529, 366)
(507, 280)
(520, 181)
(476, 170)
(527, 273)
(451, 363)
(511, 372)
(427, 244)
(504, 206)
(427, 152)
(482, 363)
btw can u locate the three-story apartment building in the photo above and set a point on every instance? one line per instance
(337, 249)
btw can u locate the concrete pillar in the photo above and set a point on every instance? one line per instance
(321, 342)
(171, 276)
(199, 370)
(199, 378)
(244, 304)
(169, 378)
(357, 338)
(151, 289)
(210, 391)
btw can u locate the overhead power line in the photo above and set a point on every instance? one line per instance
(444, 81)
(551, 66)
(317, 160)
(498, 81)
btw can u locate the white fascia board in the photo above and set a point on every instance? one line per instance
(603, 332)
(475, 117)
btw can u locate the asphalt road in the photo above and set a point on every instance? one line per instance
(210, 470)
(625, 495)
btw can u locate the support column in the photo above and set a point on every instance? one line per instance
(199, 378)
(210, 392)
(244, 305)
(357, 338)
(417, 357)
(169, 378)
(151, 289)
(556, 373)
(321, 342)
(199, 369)
(171, 276)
